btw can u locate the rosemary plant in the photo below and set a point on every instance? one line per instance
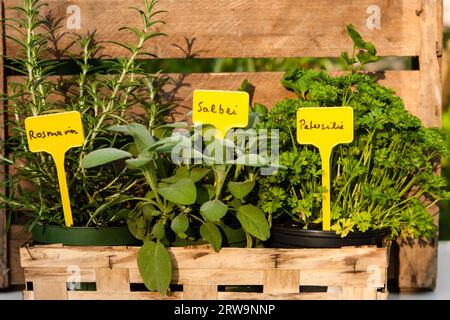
(103, 100)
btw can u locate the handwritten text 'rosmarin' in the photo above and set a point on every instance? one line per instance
(51, 134)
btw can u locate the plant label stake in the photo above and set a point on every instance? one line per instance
(325, 128)
(56, 134)
(222, 109)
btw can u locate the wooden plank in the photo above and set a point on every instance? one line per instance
(199, 292)
(418, 260)
(373, 278)
(18, 235)
(4, 280)
(228, 258)
(352, 293)
(281, 281)
(49, 290)
(278, 296)
(112, 280)
(92, 295)
(209, 277)
(268, 86)
(430, 96)
(57, 274)
(215, 28)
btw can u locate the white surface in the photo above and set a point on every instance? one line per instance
(442, 291)
(15, 295)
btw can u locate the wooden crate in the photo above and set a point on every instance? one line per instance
(351, 273)
(274, 29)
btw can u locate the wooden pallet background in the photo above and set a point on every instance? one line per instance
(353, 273)
(272, 29)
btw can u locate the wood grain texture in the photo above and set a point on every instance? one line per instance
(353, 259)
(112, 280)
(17, 236)
(4, 279)
(268, 86)
(201, 271)
(199, 292)
(418, 259)
(50, 290)
(244, 28)
(281, 281)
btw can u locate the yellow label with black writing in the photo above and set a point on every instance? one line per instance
(222, 109)
(56, 134)
(52, 133)
(325, 128)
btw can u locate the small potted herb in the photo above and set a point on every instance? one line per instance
(379, 181)
(100, 211)
(186, 203)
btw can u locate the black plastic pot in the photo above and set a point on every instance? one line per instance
(232, 236)
(83, 236)
(290, 237)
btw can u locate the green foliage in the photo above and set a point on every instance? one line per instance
(184, 201)
(378, 180)
(182, 192)
(211, 234)
(254, 221)
(155, 266)
(102, 101)
(214, 210)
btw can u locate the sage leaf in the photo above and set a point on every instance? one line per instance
(204, 193)
(254, 222)
(142, 137)
(183, 192)
(103, 156)
(211, 234)
(137, 163)
(241, 189)
(150, 211)
(198, 174)
(137, 224)
(180, 224)
(155, 266)
(214, 210)
(158, 231)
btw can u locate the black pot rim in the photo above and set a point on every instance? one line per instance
(330, 234)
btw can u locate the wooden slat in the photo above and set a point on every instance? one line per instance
(92, 295)
(57, 275)
(418, 259)
(308, 277)
(112, 280)
(4, 281)
(50, 290)
(352, 293)
(278, 296)
(199, 292)
(18, 235)
(102, 257)
(246, 28)
(281, 281)
(338, 278)
(268, 87)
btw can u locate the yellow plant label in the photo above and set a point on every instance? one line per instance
(56, 134)
(222, 109)
(325, 128)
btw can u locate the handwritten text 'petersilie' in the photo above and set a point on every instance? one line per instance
(312, 125)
